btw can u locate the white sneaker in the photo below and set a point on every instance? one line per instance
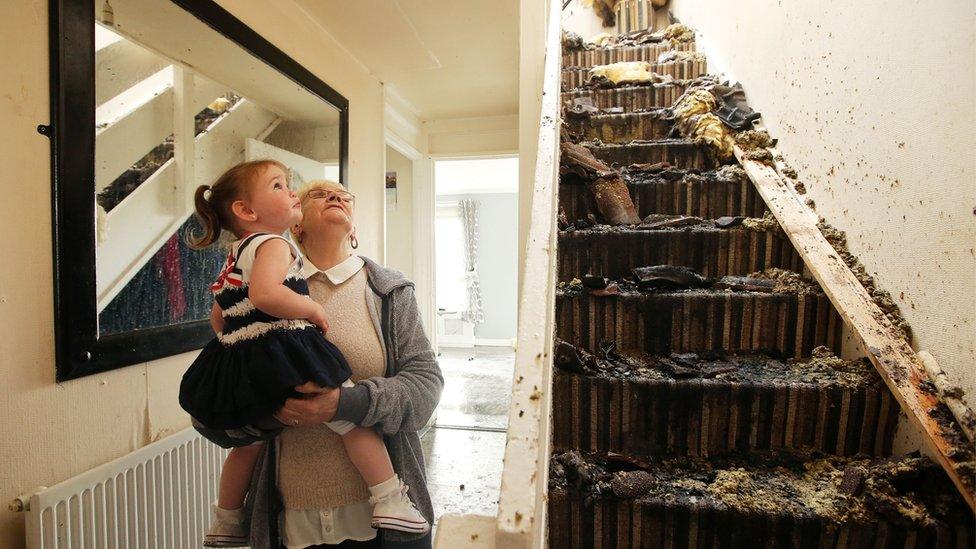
(395, 511)
(227, 528)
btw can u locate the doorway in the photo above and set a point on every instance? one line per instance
(476, 287)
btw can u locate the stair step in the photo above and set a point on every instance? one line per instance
(762, 409)
(666, 322)
(623, 128)
(575, 77)
(605, 56)
(613, 252)
(737, 504)
(630, 98)
(709, 195)
(680, 153)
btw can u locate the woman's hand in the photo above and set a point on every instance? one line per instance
(318, 405)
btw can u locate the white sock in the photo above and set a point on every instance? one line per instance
(385, 488)
(228, 515)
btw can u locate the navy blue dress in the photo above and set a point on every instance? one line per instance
(245, 374)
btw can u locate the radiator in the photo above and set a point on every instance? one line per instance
(157, 496)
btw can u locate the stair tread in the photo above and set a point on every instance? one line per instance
(630, 98)
(719, 368)
(910, 492)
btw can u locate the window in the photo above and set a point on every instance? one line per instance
(449, 254)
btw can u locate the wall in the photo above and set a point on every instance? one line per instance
(399, 221)
(54, 431)
(873, 105)
(583, 20)
(472, 136)
(497, 262)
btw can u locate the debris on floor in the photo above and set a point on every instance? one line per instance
(572, 41)
(909, 491)
(765, 223)
(709, 130)
(579, 160)
(626, 73)
(788, 282)
(678, 55)
(613, 200)
(822, 369)
(676, 32)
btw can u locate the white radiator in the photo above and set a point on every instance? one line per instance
(157, 496)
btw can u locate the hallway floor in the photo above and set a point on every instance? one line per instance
(464, 450)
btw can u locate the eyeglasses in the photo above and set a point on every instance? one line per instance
(331, 196)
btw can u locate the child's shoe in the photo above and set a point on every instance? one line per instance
(395, 511)
(227, 528)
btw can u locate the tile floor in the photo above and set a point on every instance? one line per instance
(477, 387)
(464, 449)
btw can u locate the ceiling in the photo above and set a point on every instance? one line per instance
(446, 58)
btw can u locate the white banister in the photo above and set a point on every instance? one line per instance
(121, 65)
(521, 520)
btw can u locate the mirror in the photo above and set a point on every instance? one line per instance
(177, 93)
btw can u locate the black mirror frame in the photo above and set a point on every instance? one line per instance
(79, 349)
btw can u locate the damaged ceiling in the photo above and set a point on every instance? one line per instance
(446, 59)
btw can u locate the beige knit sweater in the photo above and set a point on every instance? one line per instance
(314, 470)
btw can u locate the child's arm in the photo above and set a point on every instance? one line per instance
(216, 318)
(267, 291)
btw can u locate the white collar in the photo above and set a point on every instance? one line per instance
(338, 273)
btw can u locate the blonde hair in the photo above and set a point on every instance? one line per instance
(214, 209)
(315, 184)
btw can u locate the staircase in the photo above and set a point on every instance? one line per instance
(701, 402)
(161, 129)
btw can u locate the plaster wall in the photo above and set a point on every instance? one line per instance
(399, 219)
(876, 113)
(474, 136)
(54, 431)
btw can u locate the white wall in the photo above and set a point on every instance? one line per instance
(873, 105)
(497, 261)
(53, 431)
(472, 136)
(583, 20)
(399, 220)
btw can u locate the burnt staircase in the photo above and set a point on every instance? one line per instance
(701, 402)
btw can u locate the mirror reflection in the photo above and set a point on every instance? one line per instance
(174, 108)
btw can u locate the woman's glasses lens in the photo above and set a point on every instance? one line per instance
(329, 195)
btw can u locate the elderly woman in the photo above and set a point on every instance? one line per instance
(305, 492)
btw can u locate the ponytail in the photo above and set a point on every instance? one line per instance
(215, 211)
(209, 218)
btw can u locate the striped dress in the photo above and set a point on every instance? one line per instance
(245, 374)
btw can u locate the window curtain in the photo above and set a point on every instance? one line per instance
(474, 312)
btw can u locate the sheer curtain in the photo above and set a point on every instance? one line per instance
(474, 311)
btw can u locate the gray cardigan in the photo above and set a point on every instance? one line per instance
(397, 405)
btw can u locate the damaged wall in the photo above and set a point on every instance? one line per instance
(54, 431)
(872, 103)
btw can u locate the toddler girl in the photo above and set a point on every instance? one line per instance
(269, 340)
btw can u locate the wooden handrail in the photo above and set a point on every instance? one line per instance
(891, 355)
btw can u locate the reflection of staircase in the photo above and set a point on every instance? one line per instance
(142, 100)
(691, 413)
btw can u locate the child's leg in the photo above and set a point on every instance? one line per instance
(368, 454)
(236, 475)
(392, 509)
